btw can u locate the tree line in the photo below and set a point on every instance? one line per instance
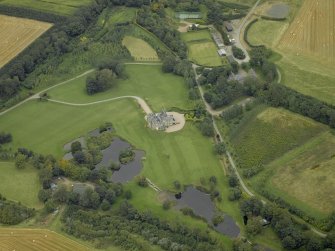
(293, 235)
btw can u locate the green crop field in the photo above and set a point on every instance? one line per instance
(268, 133)
(139, 49)
(160, 90)
(19, 185)
(201, 48)
(112, 16)
(61, 7)
(305, 176)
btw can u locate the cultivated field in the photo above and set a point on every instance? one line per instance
(201, 48)
(61, 7)
(307, 174)
(17, 34)
(115, 15)
(36, 239)
(20, 185)
(139, 49)
(267, 134)
(313, 32)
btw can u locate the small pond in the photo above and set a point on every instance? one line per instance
(278, 11)
(127, 171)
(203, 206)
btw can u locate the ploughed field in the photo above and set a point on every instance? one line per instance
(17, 34)
(36, 239)
(313, 31)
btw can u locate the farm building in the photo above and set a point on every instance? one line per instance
(218, 39)
(228, 26)
(160, 121)
(222, 52)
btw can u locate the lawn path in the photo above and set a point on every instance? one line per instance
(140, 101)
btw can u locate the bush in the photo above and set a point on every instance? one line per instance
(220, 148)
(234, 194)
(102, 81)
(238, 53)
(5, 138)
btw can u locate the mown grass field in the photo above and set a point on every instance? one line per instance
(305, 176)
(139, 49)
(20, 185)
(159, 89)
(61, 7)
(266, 32)
(201, 48)
(268, 133)
(36, 239)
(17, 34)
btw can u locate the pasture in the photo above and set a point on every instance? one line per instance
(160, 90)
(267, 133)
(17, 34)
(20, 185)
(305, 177)
(201, 48)
(266, 32)
(60, 7)
(36, 239)
(139, 49)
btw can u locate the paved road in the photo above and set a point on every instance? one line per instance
(217, 131)
(238, 33)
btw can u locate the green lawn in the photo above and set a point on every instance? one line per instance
(61, 7)
(159, 89)
(269, 133)
(19, 185)
(186, 156)
(308, 77)
(201, 48)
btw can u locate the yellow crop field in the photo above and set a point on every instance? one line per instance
(16, 34)
(36, 239)
(312, 33)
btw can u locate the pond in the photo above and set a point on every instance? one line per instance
(127, 171)
(203, 206)
(278, 11)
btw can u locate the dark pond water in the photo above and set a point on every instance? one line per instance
(203, 206)
(96, 132)
(127, 171)
(111, 153)
(278, 11)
